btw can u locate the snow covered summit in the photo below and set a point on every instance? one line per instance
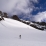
(11, 29)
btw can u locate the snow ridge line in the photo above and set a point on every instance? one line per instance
(3, 24)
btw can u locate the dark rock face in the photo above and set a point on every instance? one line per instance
(15, 17)
(5, 15)
(0, 19)
(1, 16)
(37, 27)
(1, 12)
(43, 23)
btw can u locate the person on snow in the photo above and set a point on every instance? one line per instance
(20, 36)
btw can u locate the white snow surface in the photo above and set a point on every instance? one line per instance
(11, 29)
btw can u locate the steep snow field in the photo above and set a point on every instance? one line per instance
(11, 29)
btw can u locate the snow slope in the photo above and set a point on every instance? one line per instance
(11, 29)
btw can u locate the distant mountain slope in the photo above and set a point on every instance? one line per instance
(36, 25)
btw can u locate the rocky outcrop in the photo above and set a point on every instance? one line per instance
(15, 17)
(1, 16)
(5, 15)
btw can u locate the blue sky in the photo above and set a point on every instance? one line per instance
(41, 7)
(33, 10)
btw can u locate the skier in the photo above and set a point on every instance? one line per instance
(20, 36)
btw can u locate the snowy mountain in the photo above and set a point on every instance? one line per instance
(36, 25)
(11, 29)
